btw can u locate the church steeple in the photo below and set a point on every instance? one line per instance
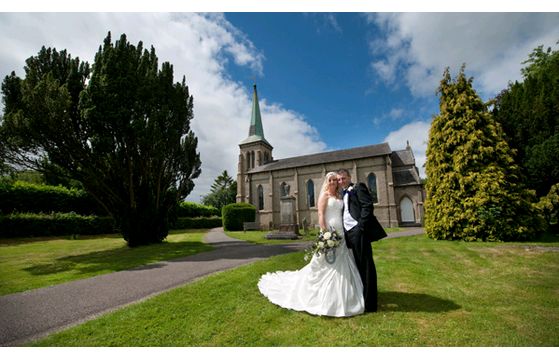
(256, 131)
(255, 119)
(255, 151)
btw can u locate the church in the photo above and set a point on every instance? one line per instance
(392, 178)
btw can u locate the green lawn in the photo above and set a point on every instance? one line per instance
(431, 294)
(32, 263)
(259, 237)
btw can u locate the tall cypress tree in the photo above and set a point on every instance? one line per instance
(473, 188)
(124, 134)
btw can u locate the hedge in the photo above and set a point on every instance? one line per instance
(22, 197)
(193, 210)
(27, 224)
(197, 223)
(234, 215)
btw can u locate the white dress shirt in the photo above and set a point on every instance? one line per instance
(349, 221)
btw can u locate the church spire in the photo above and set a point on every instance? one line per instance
(256, 119)
(256, 131)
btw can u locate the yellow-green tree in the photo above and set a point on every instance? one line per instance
(473, 187)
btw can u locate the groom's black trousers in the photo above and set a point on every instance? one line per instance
(363, 254)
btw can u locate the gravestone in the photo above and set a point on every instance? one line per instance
(288, 227)
(288, 216)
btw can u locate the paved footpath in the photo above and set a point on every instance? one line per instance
(36, 313)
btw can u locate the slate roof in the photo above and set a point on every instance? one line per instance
(405, 177)
(403, 158)
(325, 158)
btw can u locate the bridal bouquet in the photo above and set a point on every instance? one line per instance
(325, 244)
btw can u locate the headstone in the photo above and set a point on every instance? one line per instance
(288, 227)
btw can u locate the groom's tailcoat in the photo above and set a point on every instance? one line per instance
(359, 238)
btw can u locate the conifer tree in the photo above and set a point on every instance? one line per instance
(222, 192)
(473, 188)
(123, 132)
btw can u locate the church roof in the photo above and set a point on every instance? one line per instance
(403, 157)
(256, 131)
(325, 157)
(406, 177)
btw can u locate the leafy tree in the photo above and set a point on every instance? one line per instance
(529, 114)
(549, 206)
(473, 192)
(223, 191)
(124, 132)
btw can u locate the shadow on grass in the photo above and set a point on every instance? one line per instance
(118, 259)
(32, 239)
(411, 302)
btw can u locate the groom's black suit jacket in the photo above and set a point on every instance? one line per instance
(360, 204)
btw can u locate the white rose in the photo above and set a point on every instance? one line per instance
(327, 235)
(331, 243)
(320, 245)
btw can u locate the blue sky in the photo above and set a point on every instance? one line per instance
(326, 80)
(319, 65)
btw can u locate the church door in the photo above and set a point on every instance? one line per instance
(406, 210)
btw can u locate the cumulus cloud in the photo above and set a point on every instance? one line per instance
(199, 46)
(417, 133)
(395, 114)
(417, 47)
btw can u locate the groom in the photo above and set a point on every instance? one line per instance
(361, 228)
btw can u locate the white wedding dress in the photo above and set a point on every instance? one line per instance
(320, 288)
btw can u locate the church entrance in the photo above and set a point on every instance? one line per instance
(406, 210)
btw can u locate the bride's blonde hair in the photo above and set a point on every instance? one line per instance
(325, 183)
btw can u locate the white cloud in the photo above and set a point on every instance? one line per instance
(198, 46)
(394, 114)
(417, 133)
(417, 47)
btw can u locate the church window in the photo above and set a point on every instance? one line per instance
(260, 197)
(372, 182)
(310, 193)
(248, 160)
(252, 159)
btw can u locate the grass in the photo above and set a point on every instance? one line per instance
(430, 293)
(259, 237)
(32, 263)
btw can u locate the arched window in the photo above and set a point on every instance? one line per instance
(266, 158)
(372, 182)
(252, 159)
(406, 210)
(310, 193)
(248, 160)
(260, 191)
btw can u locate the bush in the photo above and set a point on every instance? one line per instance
(23, 197)
(27, 224)
(197, 223)
(192, 210)
(234, 215)
(549, 206)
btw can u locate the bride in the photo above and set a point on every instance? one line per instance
(321, 288)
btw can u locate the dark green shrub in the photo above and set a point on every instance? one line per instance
(27, 224)
(192, 210)
(234, 215)
(23, 197)
(197, 223)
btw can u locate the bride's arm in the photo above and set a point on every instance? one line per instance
(322, 202)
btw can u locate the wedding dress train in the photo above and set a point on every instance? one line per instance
(320, 288)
